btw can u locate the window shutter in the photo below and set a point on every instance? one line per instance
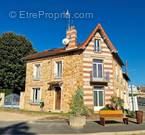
(40, 94)
(60, 69)
(31, 95)
(34, 71)
(55, 69)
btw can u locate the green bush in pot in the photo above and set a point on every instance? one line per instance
(78, 110)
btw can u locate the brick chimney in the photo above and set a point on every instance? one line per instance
(71, 34)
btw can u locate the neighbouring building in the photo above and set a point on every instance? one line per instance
(53, 76)
(141, 90)
(133, 101)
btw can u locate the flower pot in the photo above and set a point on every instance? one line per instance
(139, 117)
(77, 121)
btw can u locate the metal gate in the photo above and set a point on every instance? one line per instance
(12, 101)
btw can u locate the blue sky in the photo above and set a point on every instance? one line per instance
(123, 20)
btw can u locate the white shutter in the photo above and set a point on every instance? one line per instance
(40, 94)
(34, 71)
(55, 69)
(31, 94)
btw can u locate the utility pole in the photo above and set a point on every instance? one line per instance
(132, 99)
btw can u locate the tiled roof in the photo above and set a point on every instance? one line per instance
(52, 52)
(103, 34)
(82, 46)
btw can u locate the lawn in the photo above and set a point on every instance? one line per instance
(51, 115)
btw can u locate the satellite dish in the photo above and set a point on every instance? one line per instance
(65, 41)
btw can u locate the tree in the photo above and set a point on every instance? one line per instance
(77, 107)
(12, 67)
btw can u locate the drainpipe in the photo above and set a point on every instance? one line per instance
(132, 98)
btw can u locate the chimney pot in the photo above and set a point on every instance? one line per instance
(71, 34)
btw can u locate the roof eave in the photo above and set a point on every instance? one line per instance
(125, 75)
(27, 58)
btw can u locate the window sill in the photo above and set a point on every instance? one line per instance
(97, 51)
(57, 77)
(36, 79)
(36, 104)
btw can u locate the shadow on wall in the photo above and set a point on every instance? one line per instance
(17, 129)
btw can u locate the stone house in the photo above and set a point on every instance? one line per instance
(53, 76)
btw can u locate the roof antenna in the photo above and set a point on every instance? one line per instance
(68, 16)
(126, 67)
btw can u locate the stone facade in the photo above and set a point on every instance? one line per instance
(77, 69)
(71, 79)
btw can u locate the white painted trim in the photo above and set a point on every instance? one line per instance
(87, 69)
(61, 96)
(97, 108)
(54, 100)
(86, 79)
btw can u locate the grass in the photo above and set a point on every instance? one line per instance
(20, 111)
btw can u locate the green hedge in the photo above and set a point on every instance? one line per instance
(6, 91)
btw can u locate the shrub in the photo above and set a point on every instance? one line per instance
(41, 104)
(130, 114)
(108, 107)
(77, 107)
(117, 102)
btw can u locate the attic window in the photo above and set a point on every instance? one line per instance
(97, 45)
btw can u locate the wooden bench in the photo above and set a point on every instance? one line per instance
(112, 115)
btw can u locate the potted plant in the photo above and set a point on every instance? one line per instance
(41, 105)
(78, 110)
(117, 103)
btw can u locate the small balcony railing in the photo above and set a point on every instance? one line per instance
(104, 79)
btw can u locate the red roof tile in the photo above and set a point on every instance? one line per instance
(58, 51)
(103, 34)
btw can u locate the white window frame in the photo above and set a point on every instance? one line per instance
(36, 101)
(97, 45)
(36, 75)
(116, 72)
(58, 74)
(98, 89)
(97, 71)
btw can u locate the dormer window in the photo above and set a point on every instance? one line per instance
(97, 45)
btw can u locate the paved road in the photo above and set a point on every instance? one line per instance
(61, 127)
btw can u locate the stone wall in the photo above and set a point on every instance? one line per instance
(71, 79)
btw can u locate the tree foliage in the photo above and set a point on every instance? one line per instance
(12, 67)
(77, 107)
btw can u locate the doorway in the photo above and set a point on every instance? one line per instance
(57, 98)
(98, 98)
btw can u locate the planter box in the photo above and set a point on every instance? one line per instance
(77, 121)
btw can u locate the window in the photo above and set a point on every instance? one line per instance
(98, 96)
(116, 72)
(97, 69)
(58, 69)
(36, 95)
(36, 72)
(97, 45)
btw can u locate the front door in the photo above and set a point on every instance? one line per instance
(98, 98)
(57, 98)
